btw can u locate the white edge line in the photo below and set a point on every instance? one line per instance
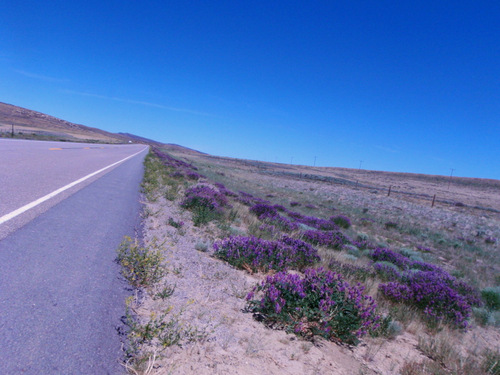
(29, 206)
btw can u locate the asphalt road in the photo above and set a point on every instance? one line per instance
(61, 297)
(30, 170)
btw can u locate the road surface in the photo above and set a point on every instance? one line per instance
(61, 297)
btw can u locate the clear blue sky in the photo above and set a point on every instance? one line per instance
(411, 86)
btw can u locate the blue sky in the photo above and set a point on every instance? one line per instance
(391, 85)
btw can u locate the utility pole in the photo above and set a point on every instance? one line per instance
(360, 162)
(12, 132)
(315, 161)
(291, 160)
(451, 175)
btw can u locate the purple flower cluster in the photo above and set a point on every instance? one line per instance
(490, 240)
(363, 244)
(268, 228)
(425, 285)
(249, 200)
(387, 255)
(317, 223)
(281, 222)
(180, 167)
(264, 209)
(387, 271)
(269, 214)
(320, 303)
(434, 293)
(262, 255)
(403, 262)
(332, 239)
(193, 175)
(222, 188)
(204, 196)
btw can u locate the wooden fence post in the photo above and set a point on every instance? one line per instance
(389, 192)
(433, 200)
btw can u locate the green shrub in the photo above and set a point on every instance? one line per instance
(388, 328)
(491, 297)
(411, 254)
(481, 315)
(201, 246)
(141, 266)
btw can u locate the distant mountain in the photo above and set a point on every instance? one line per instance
(168, 146)
(139, 139)
(33, 124)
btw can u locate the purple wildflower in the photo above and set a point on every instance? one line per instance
(320, 303)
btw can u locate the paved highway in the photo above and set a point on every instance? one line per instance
(61, 297)
(30, 170)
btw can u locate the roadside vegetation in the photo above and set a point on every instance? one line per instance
(324, 268)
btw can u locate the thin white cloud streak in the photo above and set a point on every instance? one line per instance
(39, 76)
(139, 102)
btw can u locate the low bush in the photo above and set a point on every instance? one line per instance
(269, 215)
(390, 225)
(205, 202)
(332, 239)
(263, 255)
(320, 303)
(387, 255)
(141, 266)
(262, 209)
(491, 297)
(342, 221)
(439, 295)
(388, 328)
(387, 271)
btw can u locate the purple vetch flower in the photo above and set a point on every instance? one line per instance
(319, 303)
(387, 255)
(437, 294)
(264, 255)
(264, 209)
(179, 167)
(332, 239)
(203, 195)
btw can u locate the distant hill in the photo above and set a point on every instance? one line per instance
(37, 125)
(167, 146)
(30, 124)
